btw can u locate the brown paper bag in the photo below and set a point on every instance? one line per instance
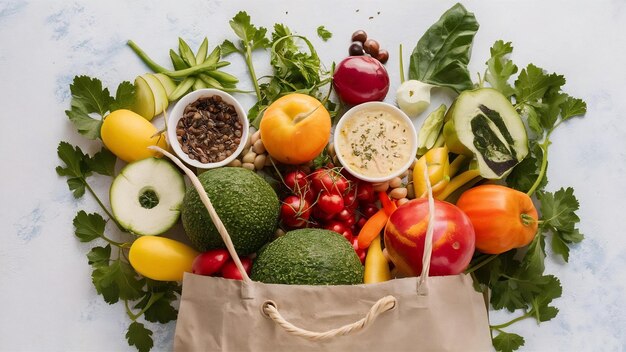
(441, 313)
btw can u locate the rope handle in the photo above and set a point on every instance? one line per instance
(209, 206)
(381, 306)
(422, 284)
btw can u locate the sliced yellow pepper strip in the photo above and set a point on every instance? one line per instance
(458, 182)
(376, 266)
(438, 171)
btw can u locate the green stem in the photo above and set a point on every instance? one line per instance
(145, 58)
(117, 244)
(103, 207)
(544, 165)
(502, 326)
(153, 298)
(207, 66)
(401, 66)
(481, 264)
(248, 56)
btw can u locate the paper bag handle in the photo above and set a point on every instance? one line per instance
(422, 284)
(209, 206)
(381, 306)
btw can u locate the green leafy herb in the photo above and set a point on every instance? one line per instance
(507, 342)
(324, 33)
(442, 53)
(521, 284)
(558, 211)
(500, 68)
(89, 97)
(140, 337)
(250, 38)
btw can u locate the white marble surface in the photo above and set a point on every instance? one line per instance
(47, 301)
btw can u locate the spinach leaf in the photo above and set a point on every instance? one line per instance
(441, 55)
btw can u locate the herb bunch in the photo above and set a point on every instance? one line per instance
(112, 275)
(294, 70)
(516, 279)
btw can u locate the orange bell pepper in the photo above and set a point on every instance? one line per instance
(503, 218)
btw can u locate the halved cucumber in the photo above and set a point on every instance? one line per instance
(147, 195)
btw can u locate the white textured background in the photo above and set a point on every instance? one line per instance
(47, 302)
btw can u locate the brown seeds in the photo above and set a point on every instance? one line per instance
(209, 130)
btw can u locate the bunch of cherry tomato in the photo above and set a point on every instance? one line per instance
(217, 262)
(327, 198)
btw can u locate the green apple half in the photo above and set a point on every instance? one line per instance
(166, 82)
(151, 95)
(147, 195)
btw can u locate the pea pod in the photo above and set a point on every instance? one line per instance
(185, 52)
(177, 61)
(202, 51)
(223, 77)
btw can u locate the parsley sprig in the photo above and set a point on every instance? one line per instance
(295, 70)
(516, 278)
(90, 98)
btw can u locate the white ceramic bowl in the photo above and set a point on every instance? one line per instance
(411, 134)
(177, 114)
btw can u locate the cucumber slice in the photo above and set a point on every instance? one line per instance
(158, 92)
(484, 123)
(167, 83)
(144, 99)
(147, 195)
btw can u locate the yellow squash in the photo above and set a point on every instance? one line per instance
(128, 135)
(160, 258)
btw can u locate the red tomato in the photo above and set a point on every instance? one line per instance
(295, 211)
(360, 252)
(230, 271)
(329, 203)
(361, 222)
(359, 79)
(368, 210)
(346, 216)
(453, 238)
(320, 215)
(329, 180)
(210, 262)
(296, 181)
(365, 193)
(349, 199)
(340, 228)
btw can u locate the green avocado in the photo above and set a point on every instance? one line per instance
(246, 204)
(308, 257)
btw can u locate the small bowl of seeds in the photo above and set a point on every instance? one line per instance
(207, 128)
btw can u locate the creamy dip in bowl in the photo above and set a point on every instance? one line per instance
(375, 141)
